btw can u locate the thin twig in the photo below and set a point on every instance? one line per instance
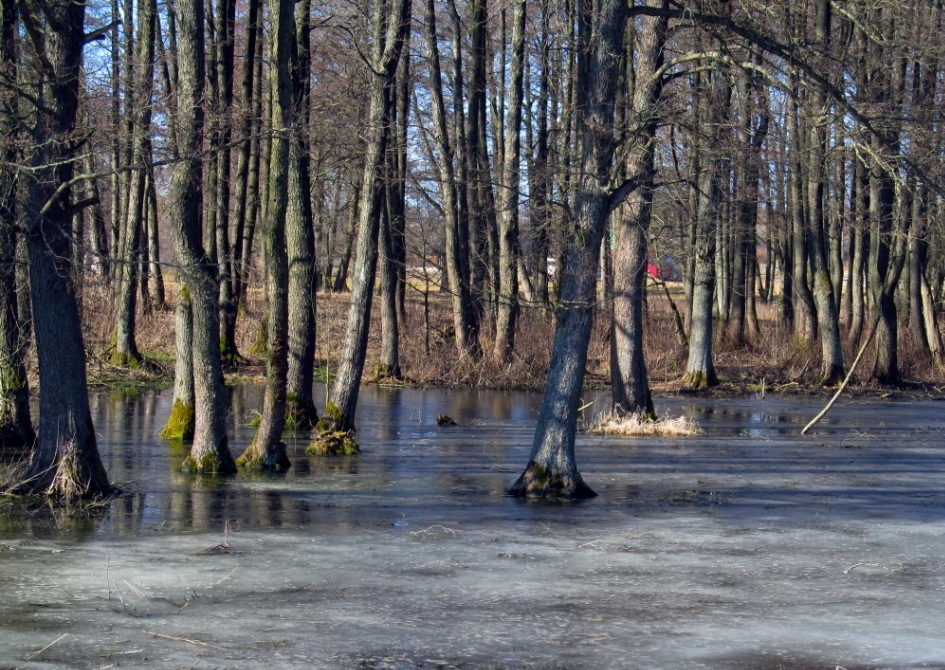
(846, 380)
(37, 653)
(181, 639)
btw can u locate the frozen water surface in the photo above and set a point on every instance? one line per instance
(749, 547)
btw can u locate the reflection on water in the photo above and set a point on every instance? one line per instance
(409, 462)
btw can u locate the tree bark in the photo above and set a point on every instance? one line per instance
(630, 389)
(210, 452)
(507, 201)
(552, 470)
(268, 451)
(16, 428)
(390, 25)
(300, 238)
(464, 320)
(65, 459)
(139, 119)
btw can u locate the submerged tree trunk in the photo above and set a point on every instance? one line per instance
(300, 239)
(390, 25)
(181, 421)
(210, 452)
(551, 469)
(65, 459)
(268, 451)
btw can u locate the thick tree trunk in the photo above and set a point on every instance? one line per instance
(828, 319)
(551, 469)
(209, 452)
(65, 459)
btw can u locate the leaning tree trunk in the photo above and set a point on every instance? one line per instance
(552, 470)
(210, 452)
(65, 459)
(390, 25)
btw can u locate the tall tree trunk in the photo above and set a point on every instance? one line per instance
(246, 158)
(552, 470)
(300, 238)
(65, 459)
(507, 202)
(805, 316)
(630, 387)
(861, 244)
(267, 450)
(210, 452)
(16, 428)
(828, 319)
(139, 116)
(225, 25)
(700, 369)
(464, 320)
(390, 30)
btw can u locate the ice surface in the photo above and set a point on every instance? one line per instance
(749, 547)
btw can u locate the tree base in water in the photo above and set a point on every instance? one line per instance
(209, 464)
(180, 424)
(333, 443)
(540, 482)
(298, 416)
(275, 459)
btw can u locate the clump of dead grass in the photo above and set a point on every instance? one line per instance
(639, 425)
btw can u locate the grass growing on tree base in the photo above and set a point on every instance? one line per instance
(334, 443)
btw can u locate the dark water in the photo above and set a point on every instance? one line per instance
(748, 547)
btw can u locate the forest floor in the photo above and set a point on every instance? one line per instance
(771, 360)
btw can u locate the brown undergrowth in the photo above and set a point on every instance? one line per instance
(771, 360)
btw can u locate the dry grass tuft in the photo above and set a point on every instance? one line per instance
(638, 425)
